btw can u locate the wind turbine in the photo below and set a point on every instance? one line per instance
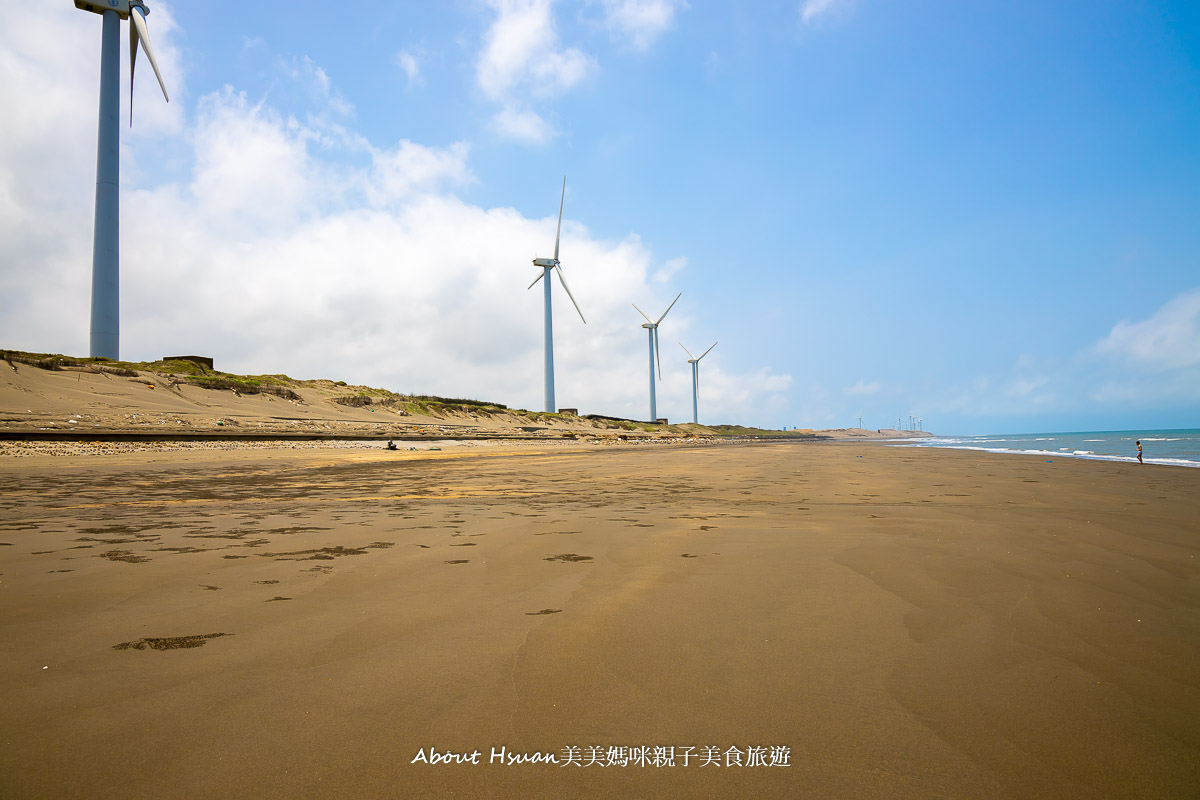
(652, 327)
(106, 298)
(548, 264)
(695, 362)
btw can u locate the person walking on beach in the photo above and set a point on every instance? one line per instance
(1139, 444)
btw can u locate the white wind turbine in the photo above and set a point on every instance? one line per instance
(652, 327)
(548, 264)
(106, 303)
(695, 362)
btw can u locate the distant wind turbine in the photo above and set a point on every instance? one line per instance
(652, 327)
(695, 362)
(548, 264)
(106, 270)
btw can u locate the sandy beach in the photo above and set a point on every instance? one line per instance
(846, 620)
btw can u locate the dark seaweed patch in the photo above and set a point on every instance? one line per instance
(319, 554)
(124, 555)
(169, 642)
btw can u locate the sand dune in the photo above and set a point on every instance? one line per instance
(91, 401)
(85, 400)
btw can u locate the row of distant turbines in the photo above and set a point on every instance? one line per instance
(651, 326)
(105, 338)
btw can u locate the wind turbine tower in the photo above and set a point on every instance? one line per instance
(106, 297)
(548, 264)
(652, 327)
(695, 362)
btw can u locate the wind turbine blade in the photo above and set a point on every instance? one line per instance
(689, 352)
(139, 23)
(698, 377)
(657, 353)
(133, 47)
(709, 350)
(559, 231)
(673, 302)
(643, 313)
(568, 288)
(535, 280)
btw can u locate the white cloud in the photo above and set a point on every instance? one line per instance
(813, 10)
(407, 169)
(1030, 392)
(776, 383)
(521, 53)
(862, 388)
(251, 172)
(408, 64)
(1152, 362)
(316, 82)
(522, 61)
(522, 126)
(1169, 339)
(641, 21)
(670, 269)
(292, 245)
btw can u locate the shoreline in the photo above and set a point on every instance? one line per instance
(1161, 461)
(428, 445)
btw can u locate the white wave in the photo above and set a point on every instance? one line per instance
(1080, 454)
(1176, 462)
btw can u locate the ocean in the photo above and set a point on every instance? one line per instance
(1175, 447)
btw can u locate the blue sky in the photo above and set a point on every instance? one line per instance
(984, 214)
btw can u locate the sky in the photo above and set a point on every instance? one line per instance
(985, 215)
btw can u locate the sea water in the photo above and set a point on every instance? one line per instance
(1177, 447)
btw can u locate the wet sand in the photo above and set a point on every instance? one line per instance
(890, 622)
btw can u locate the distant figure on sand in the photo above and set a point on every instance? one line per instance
(392, 445)
(1139, 444)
